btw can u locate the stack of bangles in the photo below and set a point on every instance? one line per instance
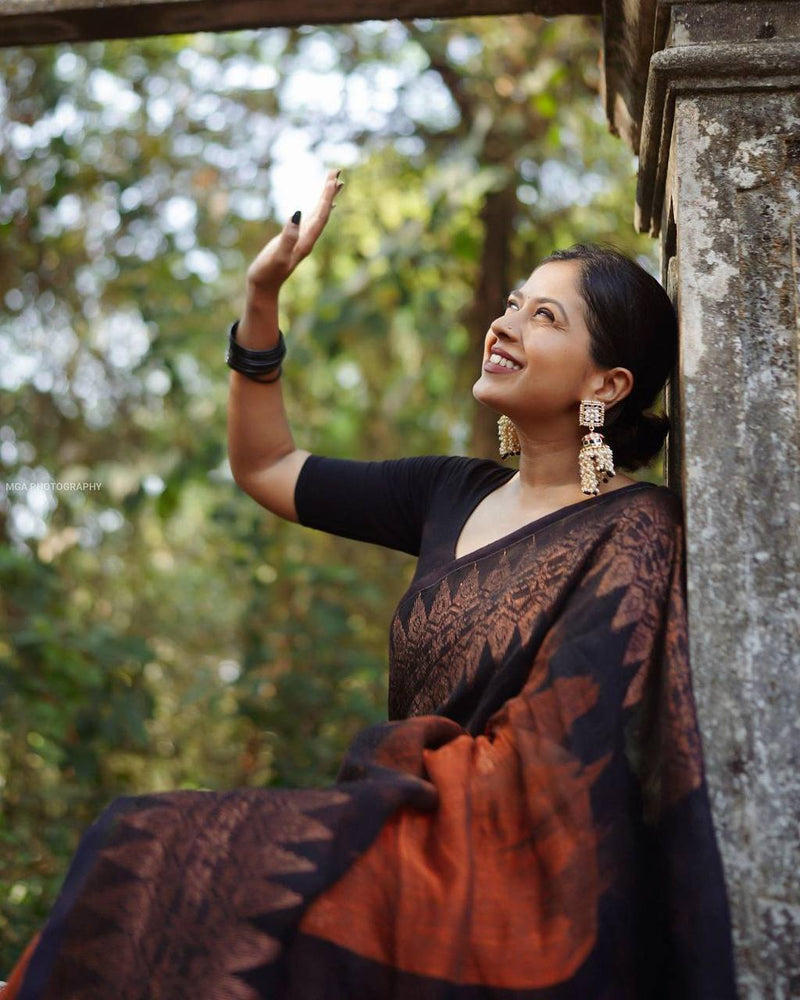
(255, 364)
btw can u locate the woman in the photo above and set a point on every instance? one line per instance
(533, 821)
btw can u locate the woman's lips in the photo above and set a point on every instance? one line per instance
(500, 363)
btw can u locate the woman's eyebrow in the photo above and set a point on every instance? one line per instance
(555, 302)
(517, 293)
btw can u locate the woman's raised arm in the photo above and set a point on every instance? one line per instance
(263, 457)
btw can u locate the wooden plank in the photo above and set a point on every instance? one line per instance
(35, 22)
(631, 32)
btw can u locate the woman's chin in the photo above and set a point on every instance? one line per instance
(482, 392)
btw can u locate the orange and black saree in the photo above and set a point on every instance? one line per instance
(532, 823)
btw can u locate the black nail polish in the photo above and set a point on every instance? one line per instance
(296, 218)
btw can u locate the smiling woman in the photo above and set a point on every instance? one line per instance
(583, 311)
(533, 819)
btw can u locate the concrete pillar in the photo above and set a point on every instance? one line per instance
(720, 182)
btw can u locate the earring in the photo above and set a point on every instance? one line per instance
(595, 461)
(509, 442)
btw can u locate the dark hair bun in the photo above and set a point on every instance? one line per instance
(635, 440)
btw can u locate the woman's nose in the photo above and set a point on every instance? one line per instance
(501, 328)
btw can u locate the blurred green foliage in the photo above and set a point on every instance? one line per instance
(159, 629)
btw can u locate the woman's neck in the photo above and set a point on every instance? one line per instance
(548, 468)
(548, 473)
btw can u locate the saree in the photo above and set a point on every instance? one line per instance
(531, 823)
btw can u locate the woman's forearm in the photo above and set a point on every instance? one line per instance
(258, 326)
(258, 430)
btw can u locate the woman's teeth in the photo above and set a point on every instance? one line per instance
(498, 359)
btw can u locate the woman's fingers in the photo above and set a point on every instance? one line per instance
(275, 262)
(311, 229)
(283, 253)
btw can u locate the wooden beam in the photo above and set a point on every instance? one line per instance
(631, 33)
(41, 22)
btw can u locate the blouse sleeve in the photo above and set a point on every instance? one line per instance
(385, 502)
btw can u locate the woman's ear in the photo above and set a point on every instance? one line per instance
(617, 384)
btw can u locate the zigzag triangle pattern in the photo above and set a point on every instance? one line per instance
(542, 754)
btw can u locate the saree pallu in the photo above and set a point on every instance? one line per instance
(532, 824)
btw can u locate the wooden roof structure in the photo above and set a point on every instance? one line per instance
(34, 22)
(632, 29)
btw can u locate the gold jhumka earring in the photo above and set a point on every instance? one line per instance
(509, 442)
(595, 460)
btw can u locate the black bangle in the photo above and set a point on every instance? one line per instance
(266, 381)
(255, 364)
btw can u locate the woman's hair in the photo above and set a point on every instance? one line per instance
(631, 323)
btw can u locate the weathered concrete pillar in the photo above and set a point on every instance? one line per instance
(720, 181)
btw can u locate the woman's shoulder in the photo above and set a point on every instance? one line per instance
(648, 505)
(462, 476)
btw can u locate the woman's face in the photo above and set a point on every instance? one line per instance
(536, 361)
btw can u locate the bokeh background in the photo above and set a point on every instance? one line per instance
(159, 629)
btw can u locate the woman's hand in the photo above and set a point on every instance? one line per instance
(296, 240)
(262, 454)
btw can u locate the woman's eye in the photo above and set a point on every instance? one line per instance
(547, 313)
(511, 304)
